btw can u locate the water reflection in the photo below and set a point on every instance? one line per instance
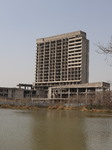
(54, 130)
(98, 132)
(59, 130)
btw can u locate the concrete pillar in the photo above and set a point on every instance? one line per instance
(49, 93)
(86, 98)
(77, 94)
(60, 93)
(69, 93)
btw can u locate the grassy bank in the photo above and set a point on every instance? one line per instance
(18, 107)
(84, 108)
(58, 107)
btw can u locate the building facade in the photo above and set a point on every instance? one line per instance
(80, 91)
(25, 91)
(62, 60)
(97, 93)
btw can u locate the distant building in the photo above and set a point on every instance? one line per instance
(25, 91)
(62, 60)
(62, 71)
(80, 91)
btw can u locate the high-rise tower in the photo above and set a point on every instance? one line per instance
(62, 60)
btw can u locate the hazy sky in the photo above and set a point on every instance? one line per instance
(24, 21)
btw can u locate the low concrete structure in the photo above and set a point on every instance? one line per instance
(25, 91)
(11, 93)
(83, 92)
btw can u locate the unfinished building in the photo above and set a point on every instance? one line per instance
(62, 68)
(82, 93)
(25, 91)
(62, 60)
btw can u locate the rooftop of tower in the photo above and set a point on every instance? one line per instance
(61, 36)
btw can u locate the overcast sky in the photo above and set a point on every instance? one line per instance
(24, 21)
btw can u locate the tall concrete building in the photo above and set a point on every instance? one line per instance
(62, 60)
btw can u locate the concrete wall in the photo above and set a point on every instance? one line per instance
(15, 93)
(41, 93)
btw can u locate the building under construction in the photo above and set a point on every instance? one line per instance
(62, 68)
(62, 60)
(62, 71)
(85, 91)
(23, 91)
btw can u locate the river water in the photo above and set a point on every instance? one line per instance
(54, 130)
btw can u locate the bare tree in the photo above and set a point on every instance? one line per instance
(106, 50)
